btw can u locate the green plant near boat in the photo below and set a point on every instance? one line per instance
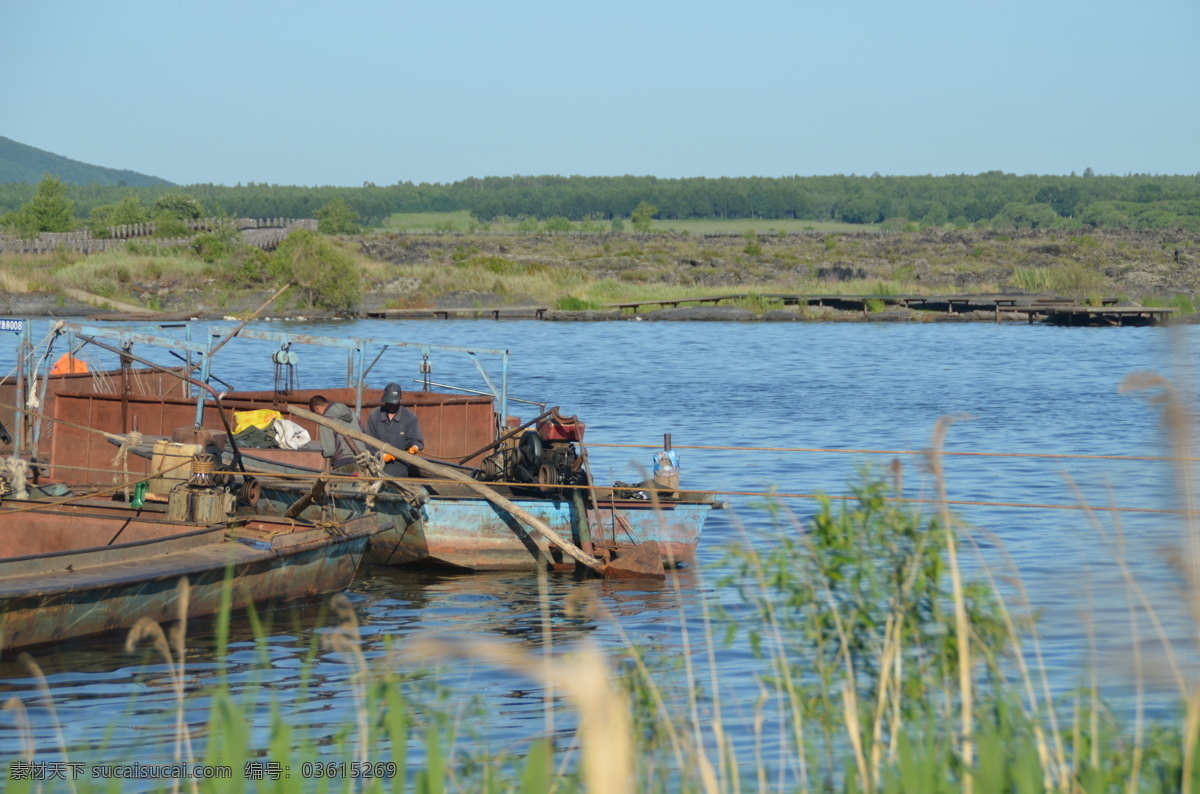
(752, 247)
(572, 304)
(758, 303)
(1183, 303)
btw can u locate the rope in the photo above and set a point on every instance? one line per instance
(32, 401)
(132, 439)
(762, 494)
(372, 484)
(896, 452)
(16, 471)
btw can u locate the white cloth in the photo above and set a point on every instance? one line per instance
(290, 435)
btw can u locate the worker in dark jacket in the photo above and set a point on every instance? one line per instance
(336, 448)
(394, 424)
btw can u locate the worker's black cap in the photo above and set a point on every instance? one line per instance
(391, 393)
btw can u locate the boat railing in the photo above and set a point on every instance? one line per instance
(358, 349)
(363, 353)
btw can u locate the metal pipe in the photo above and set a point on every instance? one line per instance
(224, 383)
(37, 427)
(508, 435)
(361, 352)
(474, 391)
(374, 361)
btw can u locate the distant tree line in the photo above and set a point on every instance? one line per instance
(993, 199)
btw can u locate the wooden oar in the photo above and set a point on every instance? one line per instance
(568, 548)
(246, 322)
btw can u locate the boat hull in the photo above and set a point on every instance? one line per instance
(477, 535)
(473, 534)
(50, 597)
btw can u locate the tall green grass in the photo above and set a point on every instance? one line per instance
(891, 670)
(1072, 280)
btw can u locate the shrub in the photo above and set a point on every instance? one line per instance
(1182, 302)
(48, 211)
(248, 265)
(327, 276)
(218, 244)
(127, 211)
(752, 247)
(499, 265)
(573, 304)
(642, 215)
(168, 226)
(337, 217)
(178, 206)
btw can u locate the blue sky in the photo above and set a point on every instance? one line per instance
(361, 91)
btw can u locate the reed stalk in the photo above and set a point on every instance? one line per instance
(962, 628)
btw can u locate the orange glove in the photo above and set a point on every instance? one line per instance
(414, 449)
(388, 458)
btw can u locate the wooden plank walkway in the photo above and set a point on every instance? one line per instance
(496, 313)
(1110, 315)
(1052, 308)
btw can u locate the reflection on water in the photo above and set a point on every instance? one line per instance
(792, 387)
(103, 694)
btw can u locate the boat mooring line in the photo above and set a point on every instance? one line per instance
(760, 494)
(899, 452)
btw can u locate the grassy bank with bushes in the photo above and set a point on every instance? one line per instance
(573, 270)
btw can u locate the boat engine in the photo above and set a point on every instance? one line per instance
(547, 463)
(200, 499)
(548, 456)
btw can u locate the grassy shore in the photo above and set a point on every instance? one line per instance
(465, 265)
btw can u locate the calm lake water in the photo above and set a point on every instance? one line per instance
(1028, 389)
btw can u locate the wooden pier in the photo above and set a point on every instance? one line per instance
(495, 312)
(1031, 308)
(1051, 308)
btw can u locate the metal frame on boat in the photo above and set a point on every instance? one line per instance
(541, 466)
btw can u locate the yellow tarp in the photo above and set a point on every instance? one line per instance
(261, 418)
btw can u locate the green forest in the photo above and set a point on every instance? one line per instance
(989, 200)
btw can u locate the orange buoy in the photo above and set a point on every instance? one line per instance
(67, 364)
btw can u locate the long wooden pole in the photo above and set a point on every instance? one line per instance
(247, 321)
(436, 469)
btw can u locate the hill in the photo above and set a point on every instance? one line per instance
(21, 163)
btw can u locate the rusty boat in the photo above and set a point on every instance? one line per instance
(77, 567)
(539, 464)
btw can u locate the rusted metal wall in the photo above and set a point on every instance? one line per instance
(453, 425)
(141, 381)
(37, 532)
